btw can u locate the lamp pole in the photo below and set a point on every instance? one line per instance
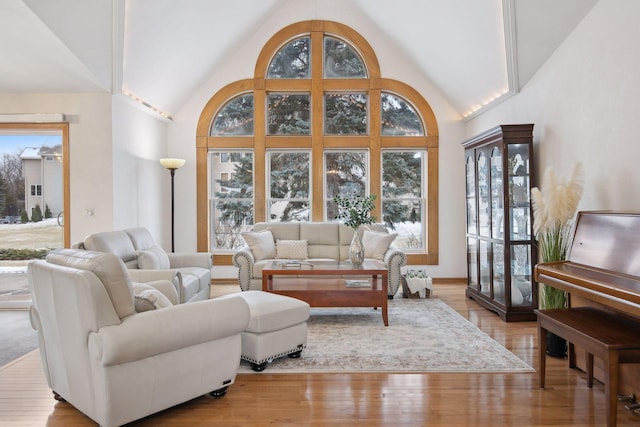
(172, 165)
(173, 173)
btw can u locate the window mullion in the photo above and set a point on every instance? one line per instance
(259, 149)
(375, 156)
(317, 135)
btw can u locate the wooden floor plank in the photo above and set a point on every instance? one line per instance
(433, 399)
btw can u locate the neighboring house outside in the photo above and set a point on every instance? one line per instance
(42, 172)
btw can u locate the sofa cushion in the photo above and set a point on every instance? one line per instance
(376, 244)
(291, 249)
(280, 230)
(261, 243)
(141, 238)
(153, 258)
(149, 298)
(320, 233)
(108, 268)
(116, 242)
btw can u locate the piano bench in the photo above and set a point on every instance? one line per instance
(611, 337)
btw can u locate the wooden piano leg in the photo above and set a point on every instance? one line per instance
(542, 353)
(611, 386)
(590, 370)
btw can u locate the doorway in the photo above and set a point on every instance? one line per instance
(33, 202)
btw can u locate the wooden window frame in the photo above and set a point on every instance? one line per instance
(259, 142)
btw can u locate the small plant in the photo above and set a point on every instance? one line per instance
(24, 218)
(355, 210)
(47, 211)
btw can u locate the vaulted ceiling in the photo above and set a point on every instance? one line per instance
(476, 52)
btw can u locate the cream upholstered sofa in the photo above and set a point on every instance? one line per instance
(312, 241)
(190, 272)
(116, 364)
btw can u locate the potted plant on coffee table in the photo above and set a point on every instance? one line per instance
(355, 211)
(554, 209)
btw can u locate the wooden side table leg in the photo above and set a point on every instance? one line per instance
(542, 353)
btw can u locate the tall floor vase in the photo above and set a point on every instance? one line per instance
(556, 346)
(356, 251)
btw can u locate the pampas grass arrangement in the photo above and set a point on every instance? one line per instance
(554, 209)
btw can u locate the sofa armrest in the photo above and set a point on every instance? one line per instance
(169, 329)
(190, 259)
(243, 259)
(394, 259)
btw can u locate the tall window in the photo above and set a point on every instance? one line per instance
(289, 186)
(317, 120)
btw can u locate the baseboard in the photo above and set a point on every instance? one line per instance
(225, 281)
(449, 280)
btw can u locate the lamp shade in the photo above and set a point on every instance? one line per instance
(172, 163)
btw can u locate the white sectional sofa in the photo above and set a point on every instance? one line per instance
(324, 240)
(190, 272)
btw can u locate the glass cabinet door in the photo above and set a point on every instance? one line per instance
(521, 267)
(483, 195)
(519, 205)
(498, 273)
(471, 195)
(472, 259)
(485, 268)
(497, 208)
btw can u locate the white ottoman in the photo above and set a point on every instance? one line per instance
(277, 327)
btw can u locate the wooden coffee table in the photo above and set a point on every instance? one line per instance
(325, 283)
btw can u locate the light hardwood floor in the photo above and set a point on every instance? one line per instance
(442, 399)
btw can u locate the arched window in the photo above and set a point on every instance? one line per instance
(316, 120)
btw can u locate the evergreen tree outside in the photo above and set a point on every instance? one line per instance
(24, 218)
(47, 211)
(36, 215)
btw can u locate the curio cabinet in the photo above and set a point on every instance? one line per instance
(500, 247)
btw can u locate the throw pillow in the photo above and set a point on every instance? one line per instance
(154, 258)
(292, 249)
(149, 298)
(376, 244)
(261, 243)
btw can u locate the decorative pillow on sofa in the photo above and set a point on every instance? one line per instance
(149, 298)
(376, 244)
(292, 249)
(261, 243)
(154, 258)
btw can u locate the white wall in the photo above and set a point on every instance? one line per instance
(241, 65)
(91, 168)
(584, 102)
(142, 185)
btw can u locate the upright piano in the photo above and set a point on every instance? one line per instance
(602, 270)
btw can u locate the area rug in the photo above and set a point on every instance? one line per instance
(424, 335)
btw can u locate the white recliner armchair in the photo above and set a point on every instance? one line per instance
(115, 364)
(190, 271)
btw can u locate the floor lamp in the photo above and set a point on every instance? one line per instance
(172, 165)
